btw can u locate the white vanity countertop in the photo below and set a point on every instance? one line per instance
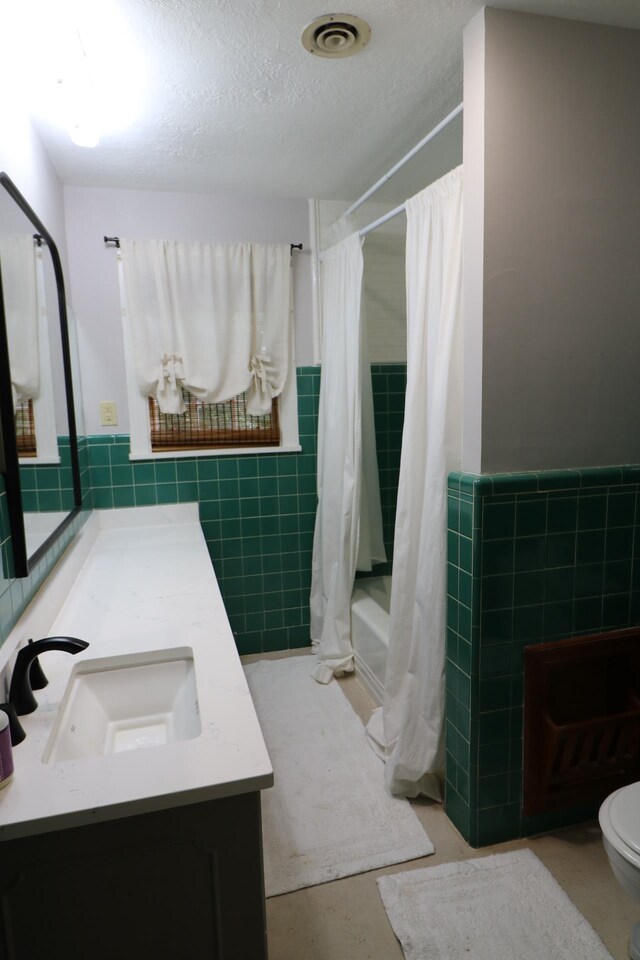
(134, 580)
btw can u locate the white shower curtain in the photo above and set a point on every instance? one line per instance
(408, 730)
(345, 394)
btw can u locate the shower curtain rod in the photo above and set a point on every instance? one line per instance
(383, 219)
(116, 242)
(376, 223)
(425, 140)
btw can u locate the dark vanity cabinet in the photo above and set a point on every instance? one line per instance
(178, 884)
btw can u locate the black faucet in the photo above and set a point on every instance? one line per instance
(20, 692)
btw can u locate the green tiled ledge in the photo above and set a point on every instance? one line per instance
(500, 484)
(532, 557)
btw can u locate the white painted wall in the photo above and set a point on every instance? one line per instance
(384, 286)
(384, 294)
(23, 158)
(561, 338)
(473, 242)
(92, 212)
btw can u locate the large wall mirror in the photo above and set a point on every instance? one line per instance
(38, 450)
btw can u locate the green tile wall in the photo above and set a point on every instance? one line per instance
(389, 382)
(257, 514)
(48, 487)
(15, 594)
(532, 557)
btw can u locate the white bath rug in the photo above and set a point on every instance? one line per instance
(499, 907)
(329, 814)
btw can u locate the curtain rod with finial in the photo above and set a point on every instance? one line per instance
(116, 242)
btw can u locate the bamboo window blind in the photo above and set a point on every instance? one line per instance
(25, 429)
(212, 425)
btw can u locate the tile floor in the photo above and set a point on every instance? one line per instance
(345, 920)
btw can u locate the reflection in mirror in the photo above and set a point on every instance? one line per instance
(41, 465)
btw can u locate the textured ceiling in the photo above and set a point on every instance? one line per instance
(235, 104)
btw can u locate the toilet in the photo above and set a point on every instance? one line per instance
(620, 824)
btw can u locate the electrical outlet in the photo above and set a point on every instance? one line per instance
(108, 413)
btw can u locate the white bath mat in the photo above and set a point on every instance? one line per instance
(329, 814)
(500, 907)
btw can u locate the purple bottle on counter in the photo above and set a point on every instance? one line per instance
(6, 754)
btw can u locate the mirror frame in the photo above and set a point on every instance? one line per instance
(9, 462)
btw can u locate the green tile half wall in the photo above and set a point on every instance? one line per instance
(531, 557)
(44, 488)
(257, 512)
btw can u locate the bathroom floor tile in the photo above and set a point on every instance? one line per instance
(345, 920)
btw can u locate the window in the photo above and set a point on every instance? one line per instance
(212, 425)
(264, 294)
(150, 436)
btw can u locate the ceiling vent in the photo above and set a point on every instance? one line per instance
(336, 35)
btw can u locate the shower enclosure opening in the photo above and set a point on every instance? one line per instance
(349, 535)
(384, 310)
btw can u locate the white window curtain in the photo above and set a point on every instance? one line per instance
(408, 730)
(336, 543)
(214, 318)
(20, 296)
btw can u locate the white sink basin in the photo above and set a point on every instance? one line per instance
(126, 703)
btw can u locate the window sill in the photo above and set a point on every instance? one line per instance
(231, 452)
(39, 461)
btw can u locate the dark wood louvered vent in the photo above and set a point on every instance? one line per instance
(581, 719)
